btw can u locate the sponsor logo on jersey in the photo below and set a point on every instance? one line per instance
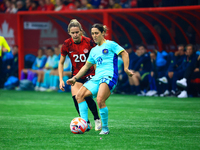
(85, 50)
(105, 51)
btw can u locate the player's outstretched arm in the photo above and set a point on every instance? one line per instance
(81, 73)
(60, 72)
(125, 58)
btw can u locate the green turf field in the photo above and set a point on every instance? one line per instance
(36, 120)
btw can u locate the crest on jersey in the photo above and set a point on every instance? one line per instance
(85, 50)
(105, 51)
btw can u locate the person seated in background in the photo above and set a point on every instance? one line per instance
(191, 73)
(112, 4)
(42, 6)
(20, 6)
(178, 73)
(59, 6)
(4, 47)
(119, 88)
(85, 5)
(11, 8)
(141, 70)
(95, 3)
(103, 4)
(28, 4)
(54, 76)
(7, 59)
(49, 5)
(158, 70)
(174, 63)
(38, 64)
(12, 69)
(123, 82)
(44, 75)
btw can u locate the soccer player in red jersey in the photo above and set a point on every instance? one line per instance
(78, 48)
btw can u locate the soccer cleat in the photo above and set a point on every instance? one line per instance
(42, 89)
(37, 88)
(183, 94)
(151, 93)
(182, 83)
(163, 80)
(97, 125)
(104, 132)
(141, 93)
(172, 93)
(89, 127)
(166, 93)
(49, 90)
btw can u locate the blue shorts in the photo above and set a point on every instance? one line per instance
(93, 85)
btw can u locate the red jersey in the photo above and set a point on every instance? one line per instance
(78, 54)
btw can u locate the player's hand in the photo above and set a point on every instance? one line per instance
(170, 74)
(71, 81)
(62, 85)
(4, 49)
(130, 73)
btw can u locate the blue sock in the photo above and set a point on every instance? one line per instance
(56, 81)
(38, 84)
(83, 109)
(104, 118)
(51, 83)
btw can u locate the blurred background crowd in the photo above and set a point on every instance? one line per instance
(157, 73)
(13, 6)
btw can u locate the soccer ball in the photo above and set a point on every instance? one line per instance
(78, 125)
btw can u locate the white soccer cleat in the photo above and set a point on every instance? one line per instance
(183, 94)
(163, 80)
(42, 89)
(142, 93)
(104, 132)
(98, 125)
(182, 82)
(166, 93)
(37, 88)
(151, 93)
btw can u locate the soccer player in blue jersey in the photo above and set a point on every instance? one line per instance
(105, 56)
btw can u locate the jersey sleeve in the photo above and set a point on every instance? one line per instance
(90, 58)
(5, 44)
(34, 66)
(44, 59)
(116, 48)
(64, 49)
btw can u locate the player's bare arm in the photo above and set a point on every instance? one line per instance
(60, 72)
(81, 73)
(125, 59)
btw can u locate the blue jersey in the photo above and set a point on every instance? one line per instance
(39, 62)
(67, 64)
(52, 61)
(105, 57)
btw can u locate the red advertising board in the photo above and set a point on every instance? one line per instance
(8, 28)
(38, 32)
(42, 31)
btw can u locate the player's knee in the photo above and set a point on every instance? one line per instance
(99, 101)
(80, 97)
